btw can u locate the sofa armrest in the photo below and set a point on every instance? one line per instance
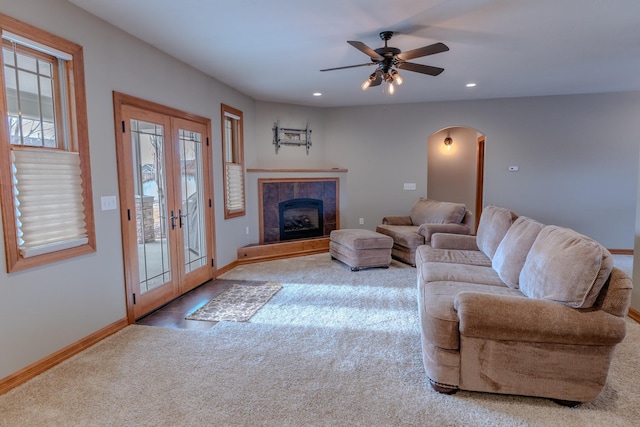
(428, 230)
(513, 318)
(397, 220)
(454, 241)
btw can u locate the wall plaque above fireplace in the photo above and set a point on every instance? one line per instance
(297, 208)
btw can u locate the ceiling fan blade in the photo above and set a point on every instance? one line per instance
(365, 49)
(423, 51)
(348, 66)
(419, 68)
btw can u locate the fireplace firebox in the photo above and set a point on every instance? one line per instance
(301, 218)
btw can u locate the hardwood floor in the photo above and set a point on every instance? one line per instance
(173, 314)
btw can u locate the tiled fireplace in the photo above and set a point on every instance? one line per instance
(297, 208)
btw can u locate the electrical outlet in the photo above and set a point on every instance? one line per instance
(361, 221)
(247, 230)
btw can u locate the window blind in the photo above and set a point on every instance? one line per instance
(235, 187)
(48, 200)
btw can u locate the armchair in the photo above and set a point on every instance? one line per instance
(426, 218)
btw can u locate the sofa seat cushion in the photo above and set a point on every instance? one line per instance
(566, 267)
(403, 235)
(494, 224)
(440, 323)
(440, 271)
(451, 256)
(512, 251)
(427, 211)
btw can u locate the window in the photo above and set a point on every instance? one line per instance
(45, 180)
(233, 158)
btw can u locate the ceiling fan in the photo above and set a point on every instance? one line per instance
(387, 59)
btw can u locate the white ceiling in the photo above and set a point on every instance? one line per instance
(272, 50)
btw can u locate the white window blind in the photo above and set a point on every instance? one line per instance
(235, 187)
(49, 201)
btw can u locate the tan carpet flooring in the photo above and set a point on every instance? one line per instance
(332, 348)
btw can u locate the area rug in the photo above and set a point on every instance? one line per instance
(238, 304)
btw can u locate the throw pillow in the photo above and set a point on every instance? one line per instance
(566, 267)
(427, 211)
(494, 224)
(512, 251)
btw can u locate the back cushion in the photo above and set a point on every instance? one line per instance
(427, 211)
(494, 224)
(513, 249)
(566, 267)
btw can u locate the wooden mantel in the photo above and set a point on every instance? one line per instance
(322, 170)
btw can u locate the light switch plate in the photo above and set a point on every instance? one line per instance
(409, 185)
(108, 203)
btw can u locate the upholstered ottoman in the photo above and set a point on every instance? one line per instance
(360, 248)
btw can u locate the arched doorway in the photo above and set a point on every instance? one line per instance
(455, 169)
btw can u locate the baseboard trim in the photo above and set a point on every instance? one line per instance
(35, 369)
(273, 251)
(633, 314)
(226, 268)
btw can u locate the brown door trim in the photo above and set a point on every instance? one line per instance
(479, 179)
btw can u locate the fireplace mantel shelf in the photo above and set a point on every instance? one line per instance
(296, 170)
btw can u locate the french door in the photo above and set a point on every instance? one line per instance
(165, 201)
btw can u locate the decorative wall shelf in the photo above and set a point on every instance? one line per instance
(289, 136)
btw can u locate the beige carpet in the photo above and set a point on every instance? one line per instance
(332, 348)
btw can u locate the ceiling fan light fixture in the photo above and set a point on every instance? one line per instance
(365, 85)
(388, 57)
(396, 77)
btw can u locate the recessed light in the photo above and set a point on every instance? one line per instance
(317, 94)
(471, 85)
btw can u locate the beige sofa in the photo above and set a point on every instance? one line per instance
(425, 218)
(522, 308)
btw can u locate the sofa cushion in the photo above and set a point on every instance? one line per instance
(512, 251)
(494, 224)
(403, 235)
(468, 273)
(566, 267)
(427, 211)
(427, 253)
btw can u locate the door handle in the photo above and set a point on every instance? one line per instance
(173, 221)
(180, 216)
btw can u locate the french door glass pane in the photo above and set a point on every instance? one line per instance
(147, 142)
(192, 197)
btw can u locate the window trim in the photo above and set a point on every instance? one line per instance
(79, 142)
(225, 112)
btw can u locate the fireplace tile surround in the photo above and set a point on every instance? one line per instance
(272, 191)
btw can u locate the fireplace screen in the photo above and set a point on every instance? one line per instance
(301, 218)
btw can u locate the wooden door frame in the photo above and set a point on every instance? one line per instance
(479, 180)
(119, 101)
